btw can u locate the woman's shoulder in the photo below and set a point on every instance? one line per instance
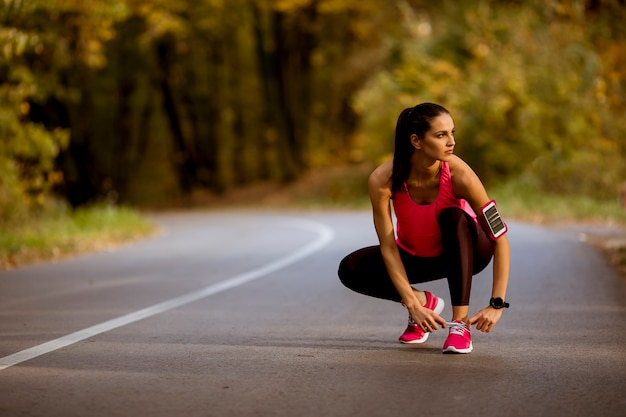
(464, 180)
(458, 164)
(382, 173)
(380, 178)
(459, 169)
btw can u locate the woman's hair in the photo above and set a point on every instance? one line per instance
(414, 120)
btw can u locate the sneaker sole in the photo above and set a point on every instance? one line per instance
(438, 309)
(415, 342)
(452, 349)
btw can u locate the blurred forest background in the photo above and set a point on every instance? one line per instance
(142, 102)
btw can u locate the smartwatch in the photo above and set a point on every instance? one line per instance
(498, 303)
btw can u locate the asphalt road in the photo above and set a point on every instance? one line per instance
(242, 314)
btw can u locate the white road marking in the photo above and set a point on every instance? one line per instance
(325, 235)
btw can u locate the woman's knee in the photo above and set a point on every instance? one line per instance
(453, 215)
(348, 271)
(345, 271)
(357, 268)
(453, 219)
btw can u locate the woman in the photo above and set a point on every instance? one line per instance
(434, 195)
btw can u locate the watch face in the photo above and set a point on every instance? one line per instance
(497, 302)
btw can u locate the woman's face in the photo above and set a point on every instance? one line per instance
(438, 142)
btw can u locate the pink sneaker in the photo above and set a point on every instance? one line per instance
(459, 339)
(414, 333)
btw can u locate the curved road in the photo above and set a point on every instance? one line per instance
(241, 314)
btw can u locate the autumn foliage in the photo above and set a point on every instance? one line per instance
(142, 101)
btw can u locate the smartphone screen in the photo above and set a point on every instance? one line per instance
(493, 220)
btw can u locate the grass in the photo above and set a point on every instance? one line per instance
(59, 233)
(521, 201)
(526, 203)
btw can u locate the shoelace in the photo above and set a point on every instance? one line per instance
(457, 328)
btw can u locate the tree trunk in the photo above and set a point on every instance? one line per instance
(285, 70)
(183, 160)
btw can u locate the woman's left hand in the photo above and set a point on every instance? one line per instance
(486, 319)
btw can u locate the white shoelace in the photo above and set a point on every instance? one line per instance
(457, 328)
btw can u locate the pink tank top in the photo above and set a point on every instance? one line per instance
(417, 227)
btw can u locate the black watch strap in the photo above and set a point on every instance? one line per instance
(498, 303)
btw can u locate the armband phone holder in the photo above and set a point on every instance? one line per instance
(491, 221)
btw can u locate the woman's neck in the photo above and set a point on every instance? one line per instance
(425, 170)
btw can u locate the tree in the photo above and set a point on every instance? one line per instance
(522, 81)
(41, 41)
(151, 100)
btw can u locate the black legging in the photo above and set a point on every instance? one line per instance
(466, 251)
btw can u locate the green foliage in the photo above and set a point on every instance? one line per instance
(27, 152)
(27, 149)
(527, 87)
(151, 100)
(523, 199)
(39, 41)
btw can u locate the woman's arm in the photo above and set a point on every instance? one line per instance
(379, 185)
(468, 186)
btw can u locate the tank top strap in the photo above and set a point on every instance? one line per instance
(446, 192)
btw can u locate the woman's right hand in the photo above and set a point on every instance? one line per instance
(425, 318)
